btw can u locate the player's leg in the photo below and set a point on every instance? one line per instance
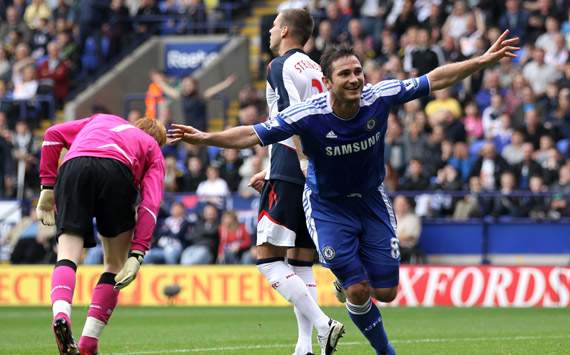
(301, 261)
(115, 215)
(279, 219)
(74, 200)
(70, 248)
(380, 256)
(334, 230)
(105, 296)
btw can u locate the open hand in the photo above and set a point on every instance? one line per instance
(502, 48)
(184, 133)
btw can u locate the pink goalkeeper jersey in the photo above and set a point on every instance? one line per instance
(109, 136)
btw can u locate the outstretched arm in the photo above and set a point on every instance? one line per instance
(236, 137)
(450, 74)
(219, 87)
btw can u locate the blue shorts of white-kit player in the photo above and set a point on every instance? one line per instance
(355, 236)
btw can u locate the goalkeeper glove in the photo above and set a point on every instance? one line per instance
(45, 209)
(129, 271)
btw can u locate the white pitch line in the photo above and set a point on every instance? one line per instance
(343, 344)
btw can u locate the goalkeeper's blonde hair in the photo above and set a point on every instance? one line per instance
(153, 128)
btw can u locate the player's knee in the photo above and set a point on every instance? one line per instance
(358, 293)
(386, 294)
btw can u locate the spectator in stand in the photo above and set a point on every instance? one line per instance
(172, 174)
(53, 74)
(514, 19)
(119, 26)
(489, 167)
(505, 204)
(230, 164)
(534, 128)
(423, 57)
(454, 128)
(254, 165)
(513, 152)
(415, 178)
(36, 11)
(538, 73)
(5, 65)
(193, 177)
(536, 206)
(408, 230)
(473, 122)
(193, 102)
(395, 153)
(443, 102)
(234, 239)
(528, 102)
(560, 204)
(25, 152)
(154, 99)
(202, 242)
(559, 54)
(170, 237)
(456, 23)
(470, 205)
(492, 124)
(13, 23)
(214, 190)
(528, 167)
(339, 21)
(415, 141)
(461, 161)
(492, 87)
(447, 179)
(558, 121)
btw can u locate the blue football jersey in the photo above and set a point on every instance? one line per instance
(345, 156)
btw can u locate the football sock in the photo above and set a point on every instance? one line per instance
(304, 270)
(293, 289)
(368, 319)
(104, 300)
(62, 287)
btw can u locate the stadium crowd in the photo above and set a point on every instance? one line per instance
(495, 145)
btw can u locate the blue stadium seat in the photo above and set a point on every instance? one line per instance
(562, 146)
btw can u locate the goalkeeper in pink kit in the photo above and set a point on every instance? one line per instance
(110, 163)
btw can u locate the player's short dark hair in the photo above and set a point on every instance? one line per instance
(333, 53)
(299, 22)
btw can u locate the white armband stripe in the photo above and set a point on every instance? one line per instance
(151, 213)
(48, 143)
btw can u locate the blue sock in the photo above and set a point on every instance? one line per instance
(368, 319)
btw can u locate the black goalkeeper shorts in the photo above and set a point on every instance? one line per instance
(100, 188)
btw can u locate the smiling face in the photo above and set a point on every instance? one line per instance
(347, 79)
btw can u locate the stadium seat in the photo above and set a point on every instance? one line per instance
(562, 146)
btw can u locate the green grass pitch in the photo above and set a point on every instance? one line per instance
(174, 330)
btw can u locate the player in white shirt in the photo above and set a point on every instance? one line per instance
(282, 232)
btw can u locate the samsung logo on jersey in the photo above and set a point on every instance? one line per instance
(353, 147)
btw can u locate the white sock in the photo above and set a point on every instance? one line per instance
(293, 289)
(93, 328)
(304, 324)
(61, 306)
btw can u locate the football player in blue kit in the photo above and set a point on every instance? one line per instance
(348, 214)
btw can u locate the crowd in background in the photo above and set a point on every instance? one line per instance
(495, 145)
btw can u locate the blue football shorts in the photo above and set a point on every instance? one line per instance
(355, 236)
